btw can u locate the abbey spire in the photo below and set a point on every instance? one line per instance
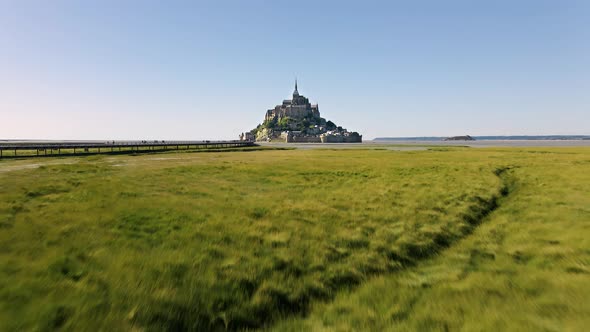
(295, 93)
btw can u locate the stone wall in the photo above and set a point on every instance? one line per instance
(303, 139)
(296, 112)
(341, 139)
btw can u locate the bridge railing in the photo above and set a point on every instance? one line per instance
(112, 145)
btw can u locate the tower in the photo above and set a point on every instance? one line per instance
(295, 93)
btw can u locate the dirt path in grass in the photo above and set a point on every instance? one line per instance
(384, 302)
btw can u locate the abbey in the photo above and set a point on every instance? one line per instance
(296, 108)
(296, 120)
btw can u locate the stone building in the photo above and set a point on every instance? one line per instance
(247, 136)
(297, 108)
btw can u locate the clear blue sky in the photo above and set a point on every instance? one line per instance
(210, 69)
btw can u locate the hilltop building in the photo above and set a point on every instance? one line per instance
(296, 120)
(297, 108)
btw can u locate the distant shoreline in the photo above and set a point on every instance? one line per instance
(492, 138)
(489, 143)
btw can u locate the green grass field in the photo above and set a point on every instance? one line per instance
(357, 239)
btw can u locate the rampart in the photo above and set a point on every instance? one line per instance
(341, 139)
(303, 139)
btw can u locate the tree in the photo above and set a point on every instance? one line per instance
(270, 124)
(330, 125)
(284, 123)
(256, 130)
(304, 125)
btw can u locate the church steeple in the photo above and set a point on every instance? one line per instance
(295, 93)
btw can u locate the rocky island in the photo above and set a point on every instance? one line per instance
(459, 138)
(296, 120)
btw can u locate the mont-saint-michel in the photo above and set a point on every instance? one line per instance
(296, 120)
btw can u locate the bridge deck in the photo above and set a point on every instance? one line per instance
(10, 148)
